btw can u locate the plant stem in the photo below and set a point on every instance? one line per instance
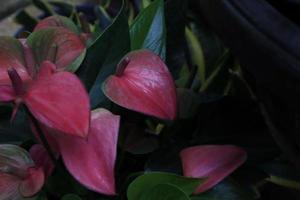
(41, 136)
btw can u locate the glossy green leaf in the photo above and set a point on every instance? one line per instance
(103, 56)
(165, 192)
(147, 181)
(148, 30)
(226, 190)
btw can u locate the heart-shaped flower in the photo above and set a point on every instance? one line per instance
(19, 176)
(92, 160)
(214, 162)
(58, 100)
(144, 84)
(59, 44)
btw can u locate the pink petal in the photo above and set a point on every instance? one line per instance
(212, 161)
(33, 183)
(41, 159)
(56, 21)
(60, 102)
(9, 187)
(11, 55)
(58, 45)
(144, 84)
(92, 161)
(6, 93)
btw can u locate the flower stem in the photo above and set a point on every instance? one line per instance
(41, 136)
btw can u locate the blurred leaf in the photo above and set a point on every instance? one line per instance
(44, 6)
(14, 132)
(103, 56)
(282, 174)
(104, 18)
(148, 30)
(220, 71)
(188, 103)
(184, 76)
(66, 8)
(144, 183)
(226, 190)
(71, 197)
(196, 52)
(24, 18)
(175, 11)
(165, 192)
(212, 46)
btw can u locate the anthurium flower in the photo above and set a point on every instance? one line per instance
(56, 44)
(215, 162)
(57, 100)
(19, 176)
(143, 83)
(11, 54)
(91, 161)
(56, 21)
(59, 45)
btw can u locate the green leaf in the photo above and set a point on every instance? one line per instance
(25, 19)
(188, 103)
(282, 174)
(220, 66)
(66, 8)
(14, 132)
(147, 181)
(44, 6)
(175, 11)
(71, 197)
(196, 53)
(165, 192)
(148, 30)
(226, 190)
(103, 56)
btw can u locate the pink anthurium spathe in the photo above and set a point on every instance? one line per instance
(92, 161)
(143, 83)
(56, 44)
(59, 45)
(11, 54)
(56, 21)
(57, 100)
(214, 162)
(61, 21)
(19, 176)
